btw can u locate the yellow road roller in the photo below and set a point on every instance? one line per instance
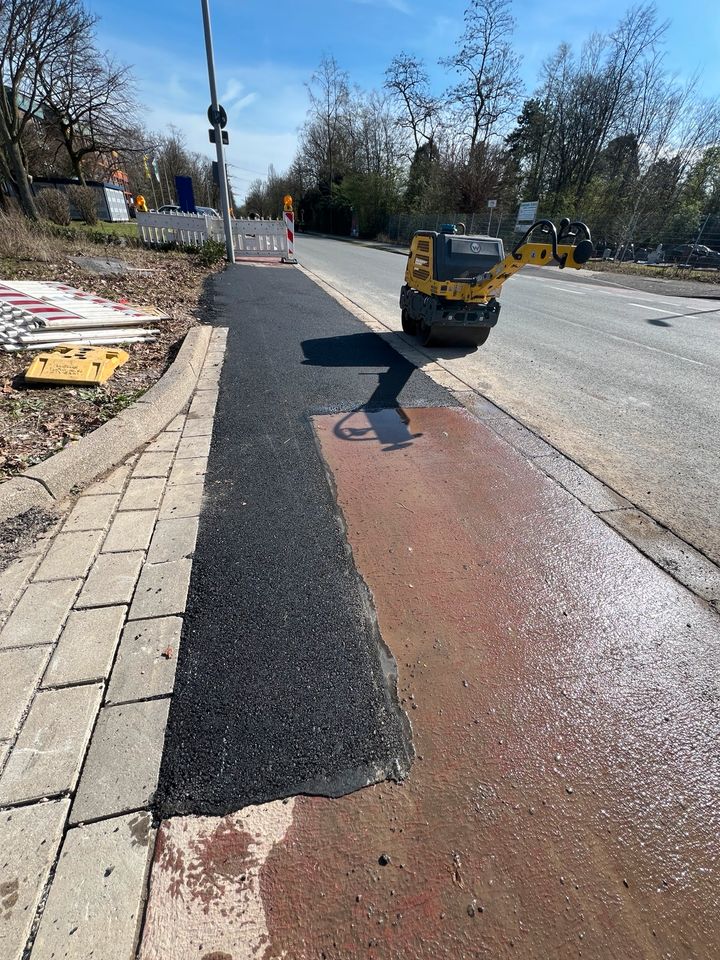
(452, 281)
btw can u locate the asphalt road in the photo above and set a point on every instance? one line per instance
(623, 381)
(283, 683)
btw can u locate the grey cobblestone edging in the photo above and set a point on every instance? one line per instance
(676, 557)
(80, 463)
(90, 625)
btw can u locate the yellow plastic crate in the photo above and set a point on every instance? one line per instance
(79, 365)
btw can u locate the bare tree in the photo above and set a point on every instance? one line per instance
(324, 138)
(91, 99)
(407, 80)
(489, 87)
(32, 34)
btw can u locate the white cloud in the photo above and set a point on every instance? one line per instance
(266, 104)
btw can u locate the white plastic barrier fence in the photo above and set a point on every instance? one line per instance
(252, 238)
(161, 228)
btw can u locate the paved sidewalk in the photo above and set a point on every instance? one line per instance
(371, 674)
(558, 684)
(88, 652)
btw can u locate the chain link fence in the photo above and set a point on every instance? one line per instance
(699, 250)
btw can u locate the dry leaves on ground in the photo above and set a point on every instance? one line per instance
(36, 421)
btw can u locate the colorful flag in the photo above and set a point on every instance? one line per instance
(156, 169)
(147, 168)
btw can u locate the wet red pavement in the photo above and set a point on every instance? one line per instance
(563, 694)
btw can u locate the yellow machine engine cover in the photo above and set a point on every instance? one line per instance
(79, 365)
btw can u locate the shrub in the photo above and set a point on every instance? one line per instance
(85, 200)
(211, 252)
(53, 205)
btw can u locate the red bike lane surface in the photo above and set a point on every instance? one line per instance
(563, 695)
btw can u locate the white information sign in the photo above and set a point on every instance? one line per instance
(527, 213)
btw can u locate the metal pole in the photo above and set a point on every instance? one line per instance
(222, 172)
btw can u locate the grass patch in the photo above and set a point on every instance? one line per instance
(670, 271)
(122, 229)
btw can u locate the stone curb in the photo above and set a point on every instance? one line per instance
(80, 463)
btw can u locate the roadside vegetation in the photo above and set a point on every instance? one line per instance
(36, 421)
(71, 110)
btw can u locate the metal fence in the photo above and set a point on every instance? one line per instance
(669, 249)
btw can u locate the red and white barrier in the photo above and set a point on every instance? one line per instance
(289, 218)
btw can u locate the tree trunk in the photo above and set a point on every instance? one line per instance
(77, 168)
(17, 168)
(15, 163)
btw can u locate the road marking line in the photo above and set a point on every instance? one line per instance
(646, 306)
(613, 336)
(565, 290)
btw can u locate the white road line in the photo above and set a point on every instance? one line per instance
(580, 293)
(667, 353)
(646, 306)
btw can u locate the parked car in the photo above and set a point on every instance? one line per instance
(696, 254)
(174, 208)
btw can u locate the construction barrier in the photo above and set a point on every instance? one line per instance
(252, 238)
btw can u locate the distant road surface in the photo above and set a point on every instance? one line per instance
(624, 382)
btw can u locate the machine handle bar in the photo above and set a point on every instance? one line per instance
(545, 226)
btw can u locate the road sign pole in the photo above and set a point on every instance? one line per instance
(222, 171)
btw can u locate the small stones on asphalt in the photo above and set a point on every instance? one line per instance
(384, 859)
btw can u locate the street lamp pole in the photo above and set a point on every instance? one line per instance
(222, 172)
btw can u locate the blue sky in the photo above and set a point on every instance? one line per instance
(265, 52)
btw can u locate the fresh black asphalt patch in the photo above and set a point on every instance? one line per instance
(283, 685)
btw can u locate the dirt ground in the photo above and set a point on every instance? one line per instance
(35, 421)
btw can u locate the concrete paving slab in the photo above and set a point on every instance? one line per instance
(123, 761)
(95, 905)
(669, 552)
(70, 555)
(183, 500)
(161, 590)
(86, 647)
(20, 671)
(91, 512)
(4, 751)
(201, 407)
(177, 423)
(114, 482)
(165, 443)
(230, 854)
(130, 530)
(111, 580)
(520, 437)
(14, 578)
(40, 614)
(193, 447)
(146, 660)
(189, 470)
(143, 494)
(29, 839)
(153, 465)
(47, 756)
(581, 484)
(173, 540)
(198, 427)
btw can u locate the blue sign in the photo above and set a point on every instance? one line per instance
(185, 195)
